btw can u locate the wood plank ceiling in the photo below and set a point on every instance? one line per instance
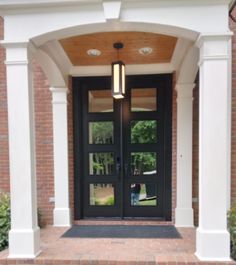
(76, 48)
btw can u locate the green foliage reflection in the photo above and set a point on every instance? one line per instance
(101, 132)
(143, 132)
(143, 162)
(103, 163)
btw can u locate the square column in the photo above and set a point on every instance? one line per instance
(184, 210)
(213, 240)
(61, 213)
(24, 236)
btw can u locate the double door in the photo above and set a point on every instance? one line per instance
(123, 148)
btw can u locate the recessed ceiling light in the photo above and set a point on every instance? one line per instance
(94, 52)
(145, 50)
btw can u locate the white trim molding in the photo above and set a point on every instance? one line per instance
(112, 9)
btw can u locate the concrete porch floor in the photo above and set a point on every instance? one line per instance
(112, 251)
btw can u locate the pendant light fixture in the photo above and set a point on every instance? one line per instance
(118, 74)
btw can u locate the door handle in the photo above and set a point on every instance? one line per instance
(126, 169)
(118, 167)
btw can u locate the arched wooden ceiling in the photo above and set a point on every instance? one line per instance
(76, 48)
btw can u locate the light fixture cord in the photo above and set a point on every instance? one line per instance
(118, 54)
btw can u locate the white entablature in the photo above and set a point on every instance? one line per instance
(42, 21)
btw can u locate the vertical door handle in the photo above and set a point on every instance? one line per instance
(118, 167)
(126, 169)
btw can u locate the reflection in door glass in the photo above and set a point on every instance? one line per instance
(101, 163)
(143, 99)
(143, 194)
(143, 132)
(100, 101)
(101, 132)
(101, 194)
(143, 163)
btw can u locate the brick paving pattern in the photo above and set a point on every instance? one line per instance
(113, 251)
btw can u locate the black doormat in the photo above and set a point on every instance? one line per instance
(122, 231)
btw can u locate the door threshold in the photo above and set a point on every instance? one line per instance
(122, 218)
(123, 221)
(145, 218)
(101, 219)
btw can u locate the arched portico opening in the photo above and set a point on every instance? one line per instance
(174, 64)
(166, 58)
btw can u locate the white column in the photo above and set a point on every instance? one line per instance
(213, 241)
(24, 236)
(184, 210)
(62, 214)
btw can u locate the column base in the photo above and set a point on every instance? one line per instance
(184, 217)
(24, 243)
(213, 245)
(62, 217)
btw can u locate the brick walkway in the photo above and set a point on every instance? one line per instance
(112, 251)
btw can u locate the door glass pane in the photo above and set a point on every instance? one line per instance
(100, 101)
(101, 163)
(143, 132)
(143, 163)
(143, 99)
(143, 194)
(101, 132)
(101, 194)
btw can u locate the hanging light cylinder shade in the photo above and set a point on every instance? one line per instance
(118, 79)
(118, 74)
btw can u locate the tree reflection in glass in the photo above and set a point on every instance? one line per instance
(143, 132)
(101, 132)
(143, 162)
(101, 163)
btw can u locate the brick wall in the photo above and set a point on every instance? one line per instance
(233, 139)
(195, 152)
(174, 146)
(70, 146)
(44, 144)
(4, 160)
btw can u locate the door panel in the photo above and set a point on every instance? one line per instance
(101, 148)
(123, 148)
(143, 148)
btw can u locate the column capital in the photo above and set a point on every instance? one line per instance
(59, 89)
(18, 52)
(214, 46)
(185, 90)
(59, 95)
(204, 37)
(14, 44)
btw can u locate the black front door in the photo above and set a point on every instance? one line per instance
(123, 147)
